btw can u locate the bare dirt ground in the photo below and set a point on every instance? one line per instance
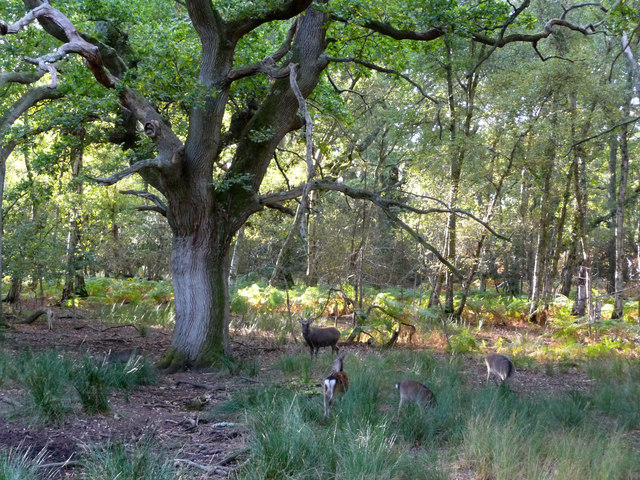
(176, 411)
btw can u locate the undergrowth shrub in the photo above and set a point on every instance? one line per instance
(94, 380)
(247, 366)
(462, 342)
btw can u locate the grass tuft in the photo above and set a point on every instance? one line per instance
(122, 462)
(45, 376)
(21, 464)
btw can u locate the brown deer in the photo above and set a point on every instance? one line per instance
(319, 337)
(336, 384)
(415, 392)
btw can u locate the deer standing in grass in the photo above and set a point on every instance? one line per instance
(415, 392)
(499, 365)
(336, 384)
(319, 337)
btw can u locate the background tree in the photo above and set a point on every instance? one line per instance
(213, 124)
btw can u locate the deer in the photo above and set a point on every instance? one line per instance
(415, 392)
(319, 337)
(336, 384)
(499, 365)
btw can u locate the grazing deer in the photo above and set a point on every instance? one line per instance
(499, 365)
(335, 384)
(415, 392)
(319, 337)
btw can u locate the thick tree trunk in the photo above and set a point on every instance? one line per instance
(15, 290)
(200, 281)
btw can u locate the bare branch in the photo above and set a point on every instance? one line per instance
(420, 240)
(385, 70)
(544, 59)
(127, 172)
(374, 198)
(395, 33)
(386, 205)
(75, 43)
(535, 37)
(278, 206)
(267, 66)
(311, 169)
(160, 205)
(604, 132)
(151, 208)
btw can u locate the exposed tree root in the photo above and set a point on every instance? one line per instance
(173, 361)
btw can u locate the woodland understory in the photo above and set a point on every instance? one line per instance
(438, 180)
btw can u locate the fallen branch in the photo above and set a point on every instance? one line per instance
(43, 311)
(191, 463)
(192, 384)
(232, 456)
(68, 463)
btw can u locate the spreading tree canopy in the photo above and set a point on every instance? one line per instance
(240, 76)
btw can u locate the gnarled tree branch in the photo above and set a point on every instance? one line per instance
(75, 43)
(268, 65)
(24, 78)
(154, 163)
(160, 207)
(289, 10)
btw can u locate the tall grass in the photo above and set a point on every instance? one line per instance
(492, 431)
(122, 462)
(21, 464)
(45, 376)
(617, 391)
(91, 381)
(527, 446)
(50, 381)
(360, 439)
(5, 368)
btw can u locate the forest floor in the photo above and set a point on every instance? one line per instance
(176, 412)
